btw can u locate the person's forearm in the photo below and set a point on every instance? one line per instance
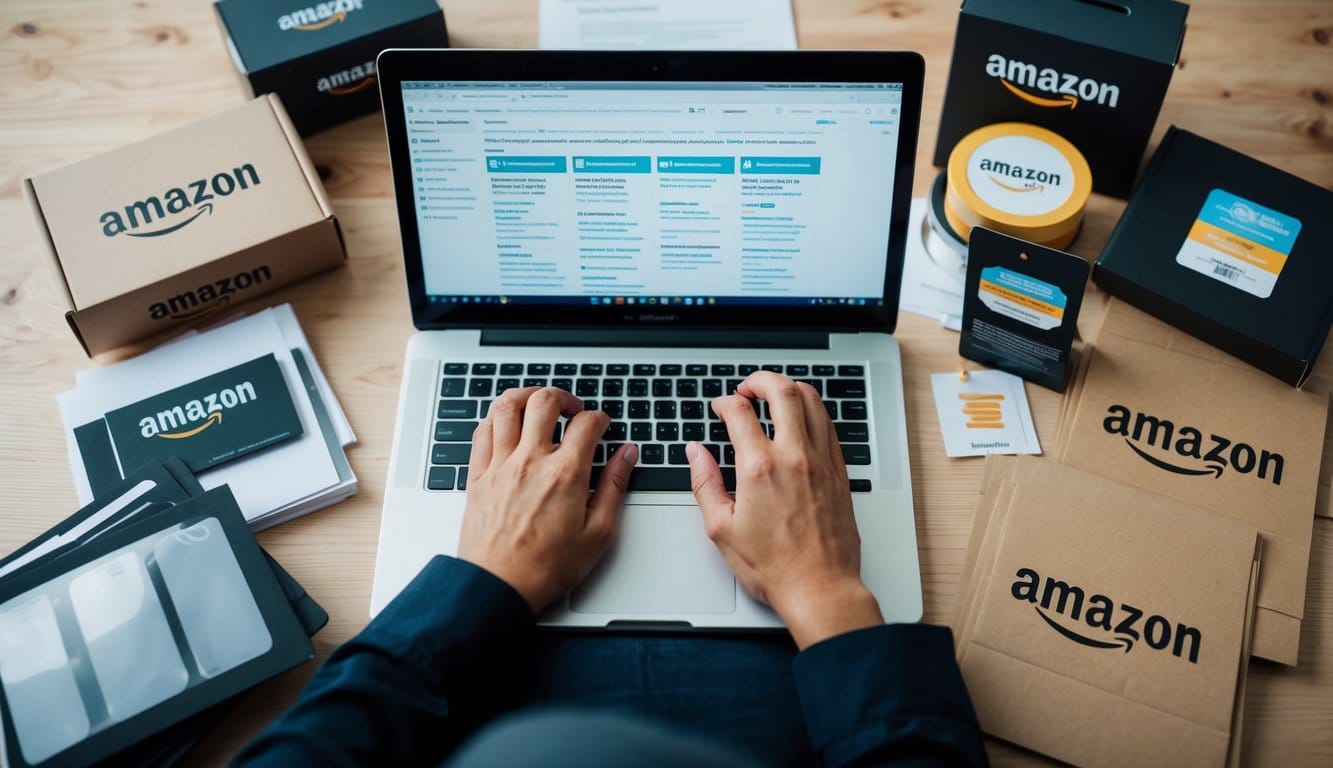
(888, 695)
(440, 659)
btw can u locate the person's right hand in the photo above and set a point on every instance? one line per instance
(789, 535)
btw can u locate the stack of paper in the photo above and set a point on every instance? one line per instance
(175, 399)
(739, 25)
(1104, 625)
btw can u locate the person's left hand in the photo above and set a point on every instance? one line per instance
(529, 519)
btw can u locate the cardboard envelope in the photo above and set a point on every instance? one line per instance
(1123, 320)
(1103, 625)
(1226, 438)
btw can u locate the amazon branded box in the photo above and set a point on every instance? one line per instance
(1153, 408)
(320, 56)
(1093, 71)
(1104, 625)
(1230, 250)
(163, 232)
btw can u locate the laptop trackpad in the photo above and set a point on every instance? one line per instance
(661, 562)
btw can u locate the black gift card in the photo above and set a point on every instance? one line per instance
(1020, 307)
(220, 417)
(149, 623)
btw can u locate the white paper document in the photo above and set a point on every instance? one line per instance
(927, 289)
(270, 486)
(987, 413)
(731, 25)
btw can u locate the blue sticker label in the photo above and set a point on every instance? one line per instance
(1239, 242)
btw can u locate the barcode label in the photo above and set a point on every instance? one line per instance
(1226, 273)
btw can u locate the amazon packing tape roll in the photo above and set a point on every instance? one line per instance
(1018, 179)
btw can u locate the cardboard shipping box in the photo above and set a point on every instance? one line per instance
(1229, 249)
(320, 56)
(1094, 72)
(1221, 436)
(166, 231)
(1103, 625)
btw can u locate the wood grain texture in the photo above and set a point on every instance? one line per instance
(79, 77)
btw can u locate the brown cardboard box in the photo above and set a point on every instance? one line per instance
(1162, 412)
(163, 232)
(1104, 625)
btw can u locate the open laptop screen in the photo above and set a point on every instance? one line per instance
(652, 193)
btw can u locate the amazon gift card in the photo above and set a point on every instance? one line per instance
(217, 418)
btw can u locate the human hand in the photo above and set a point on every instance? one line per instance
(529, 519)
(789, 535)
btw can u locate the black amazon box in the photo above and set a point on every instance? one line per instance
(320, 56)
(1230, 250)
(1093, 71)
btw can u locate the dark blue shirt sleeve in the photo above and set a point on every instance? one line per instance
(447, 655)
(888, 695)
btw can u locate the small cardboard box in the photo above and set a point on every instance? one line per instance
(165, 231)
(1230, 250)
(1093, 71)
(1150, 412)
(1103, 625)
(320, 56)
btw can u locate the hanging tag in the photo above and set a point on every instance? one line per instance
(1020, 307)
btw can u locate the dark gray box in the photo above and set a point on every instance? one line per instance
(1230, 250)
(1093, 71)
(320, 56)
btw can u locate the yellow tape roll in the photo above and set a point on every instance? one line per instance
(1019, 179)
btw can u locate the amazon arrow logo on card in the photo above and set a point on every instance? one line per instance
(185, 421)
(318, 16)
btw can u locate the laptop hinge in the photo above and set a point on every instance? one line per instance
(548, 337)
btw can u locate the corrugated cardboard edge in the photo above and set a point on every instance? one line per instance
(1246, 648)
(53, 259)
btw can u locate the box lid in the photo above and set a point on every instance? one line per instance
(176, 201)
(266, 33)
(1148, 29)
(1186, 196)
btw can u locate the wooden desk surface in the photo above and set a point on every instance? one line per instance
(80, 77)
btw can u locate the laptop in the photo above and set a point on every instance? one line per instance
(645, 229)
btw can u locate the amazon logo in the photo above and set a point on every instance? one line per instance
(185, 421)
(1097, 621)
(318, 16)
(348, 81)
(178, 207)
(1186, 451)
(1053, 90)
(1018, 178)
(209, 297)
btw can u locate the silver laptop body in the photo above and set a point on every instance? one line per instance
(632, 228)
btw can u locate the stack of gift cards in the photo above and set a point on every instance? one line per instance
(126, 629)
(244, 404)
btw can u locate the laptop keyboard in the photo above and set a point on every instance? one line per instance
(659, 406)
